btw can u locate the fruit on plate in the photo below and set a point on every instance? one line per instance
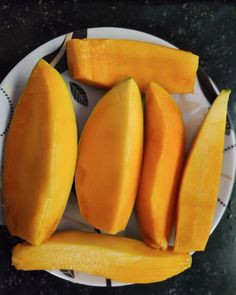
(162, 161)
(40, 156)
(105, 62)
(109, 158)
(200, 181)
(118, 258)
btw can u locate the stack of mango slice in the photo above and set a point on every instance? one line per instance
(130, 154)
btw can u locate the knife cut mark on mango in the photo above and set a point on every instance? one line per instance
(116, 164)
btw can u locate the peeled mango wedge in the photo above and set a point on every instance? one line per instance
(162, 162)
(118, 258)
(40, 156)
(109, 158)
(106, 62)
(200, 181)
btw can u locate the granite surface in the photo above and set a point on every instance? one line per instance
(206, 28)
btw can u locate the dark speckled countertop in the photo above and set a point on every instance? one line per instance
(206, 28)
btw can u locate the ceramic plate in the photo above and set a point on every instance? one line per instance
(84, 97)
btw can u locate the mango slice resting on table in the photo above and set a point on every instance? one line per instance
(118, 258)
(105, 62)
(40, 156)
(162, 160)
(200, 182)
(109, 158)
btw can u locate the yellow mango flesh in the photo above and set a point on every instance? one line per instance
(200, 180)
(109, 158)
(105, 62)
(40, 156)
(118, 258)
(162, 160)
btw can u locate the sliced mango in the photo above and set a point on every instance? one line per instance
(109, 158)
(118, 258)
(200, 182)
(105, 62)
(162, 161)
(40, 156)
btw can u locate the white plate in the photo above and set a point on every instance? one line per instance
(193, 107)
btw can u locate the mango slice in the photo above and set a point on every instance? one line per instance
(109, 158)
(118, 258)
(40, 156)
(105, 62)
(200, 181)
(162, 160)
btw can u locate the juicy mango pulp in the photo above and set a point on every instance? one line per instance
(200, 181)
(106, 62)
(119, 258)
(40, 156)
(109, 158)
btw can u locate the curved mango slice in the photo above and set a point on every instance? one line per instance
(200, 181)
(109, 158)
(118, 258)
(40, 156)
(162, 160)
